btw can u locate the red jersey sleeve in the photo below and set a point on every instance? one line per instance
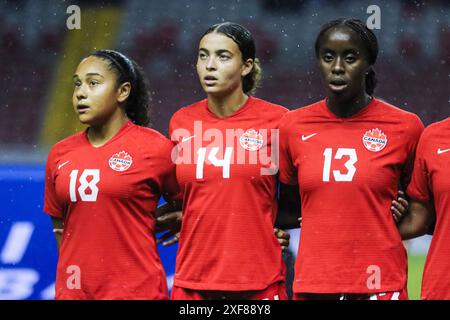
(416, 130)
(419, 188)
(51, 204)
(169, 185)
(287, 170)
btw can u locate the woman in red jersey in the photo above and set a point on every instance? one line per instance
(348, 153)
(429, 191)
(103, 185)
(228, 180)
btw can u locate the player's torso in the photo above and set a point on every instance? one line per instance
(225, 150)
(86, 175)
(437, 161)
(334, 154)
(348, 173)
(228, 177)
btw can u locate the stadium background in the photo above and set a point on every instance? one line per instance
(39, 54)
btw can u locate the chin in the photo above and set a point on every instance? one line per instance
(86, 120)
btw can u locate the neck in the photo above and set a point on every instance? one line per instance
(345, 107)
(224, 106)
(98, 135)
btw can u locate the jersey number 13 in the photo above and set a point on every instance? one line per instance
(337, 174)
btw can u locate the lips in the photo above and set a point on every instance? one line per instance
(210, 80)
(337, 85)
(82, 108)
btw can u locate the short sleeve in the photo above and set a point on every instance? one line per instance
(287, 170)
(52, 206)
(415, 131)
(419, 187)
(169, 185)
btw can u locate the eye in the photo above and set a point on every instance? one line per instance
(93, 83)
(224, 57)
(350, 58)
(202, 55)
(76, 84)
(327, 57)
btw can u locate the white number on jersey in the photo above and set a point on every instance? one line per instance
(212, 157)
(350, 164)
(84, 184)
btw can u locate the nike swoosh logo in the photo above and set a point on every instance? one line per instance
(441, 151)
(63, 164)
(304, 138)
(187, 138)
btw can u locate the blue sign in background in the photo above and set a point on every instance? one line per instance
(28, 253)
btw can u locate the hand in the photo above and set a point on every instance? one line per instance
(167, 235)
(399, 207)
(282, 237)
(170, 222)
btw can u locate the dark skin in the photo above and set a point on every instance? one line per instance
(343, 63)
(419, 221)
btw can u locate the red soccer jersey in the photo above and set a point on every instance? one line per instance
(348, 171)
(108, 196)
(430, 184)
(229, 187)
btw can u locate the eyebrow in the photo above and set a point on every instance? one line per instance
(351, 50)
(88, 75)
(217, 51)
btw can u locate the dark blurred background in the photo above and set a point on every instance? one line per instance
(39, 54)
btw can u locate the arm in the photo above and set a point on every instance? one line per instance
(289, 208)
(418, 222)
(58, 228)
(169, 218)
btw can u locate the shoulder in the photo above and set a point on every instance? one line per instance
(436, 129)
(302, 113)
(189, 110)
(63, 147)
(390, 110)
(67, 144)
(266, 106)
(150, 138)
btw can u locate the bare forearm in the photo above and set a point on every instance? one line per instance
(288, 208)
(58, 227)
(417, 222)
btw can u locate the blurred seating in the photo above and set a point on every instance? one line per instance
(413, 68)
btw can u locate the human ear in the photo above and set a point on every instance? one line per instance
(123, 92)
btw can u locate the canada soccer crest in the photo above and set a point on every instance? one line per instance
(120, 161)
(374, 140)
(251, 140)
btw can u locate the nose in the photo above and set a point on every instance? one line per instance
(211, 64)
(338, 66)
(80, 92)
